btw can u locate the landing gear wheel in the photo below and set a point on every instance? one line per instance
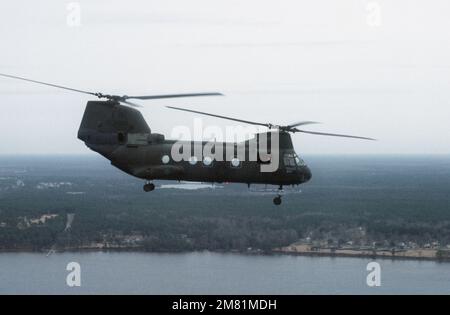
(277, 200)
(149, 187)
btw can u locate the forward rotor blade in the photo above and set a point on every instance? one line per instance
(219, 116)
(152, 97)
(131, 104)
(332, 134)
(302, 123)
(48, 84)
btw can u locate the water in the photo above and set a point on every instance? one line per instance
(215, 273)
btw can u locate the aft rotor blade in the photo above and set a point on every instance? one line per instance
(302, 123)
(332, 134)
(48, 84)
(219, 116)
(152, 97)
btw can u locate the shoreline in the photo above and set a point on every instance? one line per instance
(366, 256)
(278, 251)
(424, 254)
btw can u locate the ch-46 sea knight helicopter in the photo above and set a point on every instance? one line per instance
(117, 131)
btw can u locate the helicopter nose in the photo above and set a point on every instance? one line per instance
(307, 175)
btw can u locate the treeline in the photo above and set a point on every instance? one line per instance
(212, 229)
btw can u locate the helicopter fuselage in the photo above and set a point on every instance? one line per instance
(120, 134)
(153, 161)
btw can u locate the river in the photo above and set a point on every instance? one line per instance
(215, 273)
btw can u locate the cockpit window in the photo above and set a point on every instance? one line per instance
(299, 161)
(289, 160)
(293, 160)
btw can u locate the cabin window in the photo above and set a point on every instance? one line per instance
(207, 161)
(264, 158)
(165, 159)
(235, 162)
(193, 160)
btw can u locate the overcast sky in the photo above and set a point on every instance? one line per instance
(371, 68)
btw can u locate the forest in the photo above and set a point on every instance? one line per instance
(390, 200)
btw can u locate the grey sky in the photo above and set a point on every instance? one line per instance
(336, 62)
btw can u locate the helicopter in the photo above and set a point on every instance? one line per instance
(114, 128)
